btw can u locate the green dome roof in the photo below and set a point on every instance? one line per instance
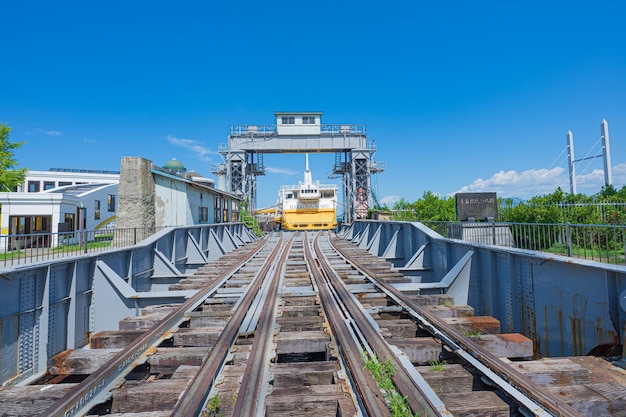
(175, 165)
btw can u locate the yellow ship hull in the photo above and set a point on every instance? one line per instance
(308, 219)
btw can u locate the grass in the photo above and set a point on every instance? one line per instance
(472, 334)
(382, 372)
(436, 365)
(213, 406)
(610, 256)
(7, 256)
(77, 248)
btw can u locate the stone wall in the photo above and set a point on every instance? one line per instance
(136, 194)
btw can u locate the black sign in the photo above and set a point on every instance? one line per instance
(478, 206)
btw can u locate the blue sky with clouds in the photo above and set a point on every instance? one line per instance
(459, 96)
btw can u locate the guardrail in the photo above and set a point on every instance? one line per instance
(270, 130)
(26, 248)
(567, 306)
(598, 242)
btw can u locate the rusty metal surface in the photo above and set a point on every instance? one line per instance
(371, 395)
(406, 385)
(567, 306)
(353, 331)
(251, 385)
(457, 340)
(96, 387)
(196, 395)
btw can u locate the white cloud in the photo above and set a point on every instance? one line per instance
(194, 146)
(90, 141)
(532, 182)
(390, 200)
(282, 171)
(519, 184)
(54, 133)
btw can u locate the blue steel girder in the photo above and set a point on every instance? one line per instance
(49, 306)
(567, 306)
(194, 254)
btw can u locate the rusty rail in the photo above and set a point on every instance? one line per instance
(536, 398)
(96, 387)
(418, 401)
(249, 392)
(193, 400)
(371, 396)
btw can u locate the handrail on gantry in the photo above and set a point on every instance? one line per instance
(95, 388)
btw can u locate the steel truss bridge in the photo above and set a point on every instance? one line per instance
(243, 156)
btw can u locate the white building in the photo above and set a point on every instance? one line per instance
(36, 181)
(298, 123)
(57, 210)
(168, 196)
(69, 200)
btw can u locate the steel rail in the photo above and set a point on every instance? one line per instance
(96, 387)
(192, 401)
(248, 398)
(406, 385)
(510, 380)
(370, 394)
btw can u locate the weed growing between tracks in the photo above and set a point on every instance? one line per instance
(472, 334)
(213, 407)
(382, 372)
(437, 365)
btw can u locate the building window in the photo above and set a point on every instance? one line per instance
(47, 185)
(96, 213)
(33, 186)
(308, 120)
(64, 183)
(111, 202)
(288, 120)
(68, 224)
(217, 214)
(203, 214)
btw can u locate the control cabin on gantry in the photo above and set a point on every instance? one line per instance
(301, 132)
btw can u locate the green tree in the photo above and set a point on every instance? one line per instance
(608, 190)
(429, 207)
(9, 177)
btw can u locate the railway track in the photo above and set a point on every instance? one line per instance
(308, 324)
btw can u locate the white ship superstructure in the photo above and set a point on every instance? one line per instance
(308, 205)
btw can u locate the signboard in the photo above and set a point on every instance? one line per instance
(478, 206)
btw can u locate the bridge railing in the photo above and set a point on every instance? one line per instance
(547, 297)
(598, 242)
(27, 248)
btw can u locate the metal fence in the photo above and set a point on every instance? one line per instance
(26, 248)
(603, 243)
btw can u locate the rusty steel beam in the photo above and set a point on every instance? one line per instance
(509, 379)
(96, 387)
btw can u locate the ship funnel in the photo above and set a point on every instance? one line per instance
(308, 179)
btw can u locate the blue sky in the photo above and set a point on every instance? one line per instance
(458, 95)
